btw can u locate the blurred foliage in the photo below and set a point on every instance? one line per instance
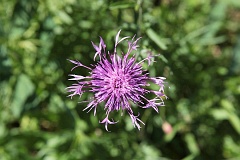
(199, 42)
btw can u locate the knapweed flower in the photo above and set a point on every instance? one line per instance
(116, 80)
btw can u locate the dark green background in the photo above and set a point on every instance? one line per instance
(199, 43)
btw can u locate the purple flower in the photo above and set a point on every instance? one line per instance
(117, 80)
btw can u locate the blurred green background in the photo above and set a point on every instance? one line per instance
(199, 42)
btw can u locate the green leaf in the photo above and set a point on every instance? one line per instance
(122, 5)
(192, 144)
(219, 114)
(228, 113)
(235, 122)
(226, 104)
(231, 147)
(155, 38)
(23, 90)
(65, 17)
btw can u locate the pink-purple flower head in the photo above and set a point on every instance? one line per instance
(117, 80)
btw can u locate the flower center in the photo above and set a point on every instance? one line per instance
(119, 83)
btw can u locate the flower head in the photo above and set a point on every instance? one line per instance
(117, 80)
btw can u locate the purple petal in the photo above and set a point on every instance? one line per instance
(76, 77)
